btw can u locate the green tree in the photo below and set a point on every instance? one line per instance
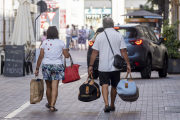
(163, 8)
(172, 42)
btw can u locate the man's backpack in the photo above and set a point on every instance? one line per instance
(89, 91)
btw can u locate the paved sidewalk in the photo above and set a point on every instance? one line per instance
(156, 94)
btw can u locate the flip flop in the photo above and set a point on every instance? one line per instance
(47, 105)
(54, 109)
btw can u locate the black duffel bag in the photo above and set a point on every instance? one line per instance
(89, 90)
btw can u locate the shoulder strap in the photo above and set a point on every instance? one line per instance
(109, 43)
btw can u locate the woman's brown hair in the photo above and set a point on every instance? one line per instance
(67, 26)
(52, 33)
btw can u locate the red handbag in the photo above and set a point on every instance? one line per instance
(71, 72)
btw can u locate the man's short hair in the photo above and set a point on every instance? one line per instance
(108, 22)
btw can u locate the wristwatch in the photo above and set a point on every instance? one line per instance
(91, 65)
(37, 68)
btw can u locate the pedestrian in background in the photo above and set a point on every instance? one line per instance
(68, 34)
(74, 36)
(77, 27)
(91, 33)
(45, 26)
(156, 32)
(44, 37)
(51, 57)
(82, 38)
(108, 74)
(87, 32)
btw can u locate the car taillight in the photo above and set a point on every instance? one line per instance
(137, 64)
(91, 43)
(136, 42)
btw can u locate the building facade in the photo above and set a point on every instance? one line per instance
(92, 12)
(175, 13)
(6, 20)
(78, 12)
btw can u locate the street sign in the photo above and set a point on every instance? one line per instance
(51, 15)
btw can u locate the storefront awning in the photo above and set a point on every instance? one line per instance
(153, 17)
(142, 12)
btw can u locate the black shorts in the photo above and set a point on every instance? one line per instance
(106, 77)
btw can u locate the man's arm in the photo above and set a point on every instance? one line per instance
(93, 58)
(126, 58)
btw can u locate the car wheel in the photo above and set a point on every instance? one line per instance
(163, 72)
(146, 72)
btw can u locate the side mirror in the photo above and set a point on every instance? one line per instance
(161, 40)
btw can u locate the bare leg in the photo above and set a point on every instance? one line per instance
(55, 84)
(113, 95)
(81, 47)
(77, 44)
(48, 91)
(105, 93)
(73, 45)
(85, 46)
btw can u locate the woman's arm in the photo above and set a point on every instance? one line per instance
(40, 44)
(77, 33)
(41, 56)
(66, 53)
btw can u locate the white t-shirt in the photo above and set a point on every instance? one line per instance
(53, 50)
(87, 31)
(68, 32)
(106, 57)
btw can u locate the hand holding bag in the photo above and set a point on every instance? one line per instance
(89, 90)
(71, 72)
(36, 90)
(128, 90)
(118, 60)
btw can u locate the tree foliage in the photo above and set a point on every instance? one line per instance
(163, 8)
(172, 42)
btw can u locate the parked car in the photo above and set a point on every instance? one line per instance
(146, 52)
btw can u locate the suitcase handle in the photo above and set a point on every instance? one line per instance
(91, 76)
(127, 75)
(88, 78)
(70, 61)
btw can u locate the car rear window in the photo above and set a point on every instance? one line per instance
(128, 32)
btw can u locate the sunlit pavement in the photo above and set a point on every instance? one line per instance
(159, 99)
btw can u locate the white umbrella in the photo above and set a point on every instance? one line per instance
(23, 31)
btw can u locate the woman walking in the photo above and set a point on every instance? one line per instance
(74, 36)
(51, 53)
(44, 37)
(82, 37)
(67, 37)
(91, 34)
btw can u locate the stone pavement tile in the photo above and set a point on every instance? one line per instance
(3, 114)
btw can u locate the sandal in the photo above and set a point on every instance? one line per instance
(52, 109)
(47, 105)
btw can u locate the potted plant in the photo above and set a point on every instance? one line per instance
(172, 44)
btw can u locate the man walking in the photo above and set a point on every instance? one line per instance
(108, 74)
